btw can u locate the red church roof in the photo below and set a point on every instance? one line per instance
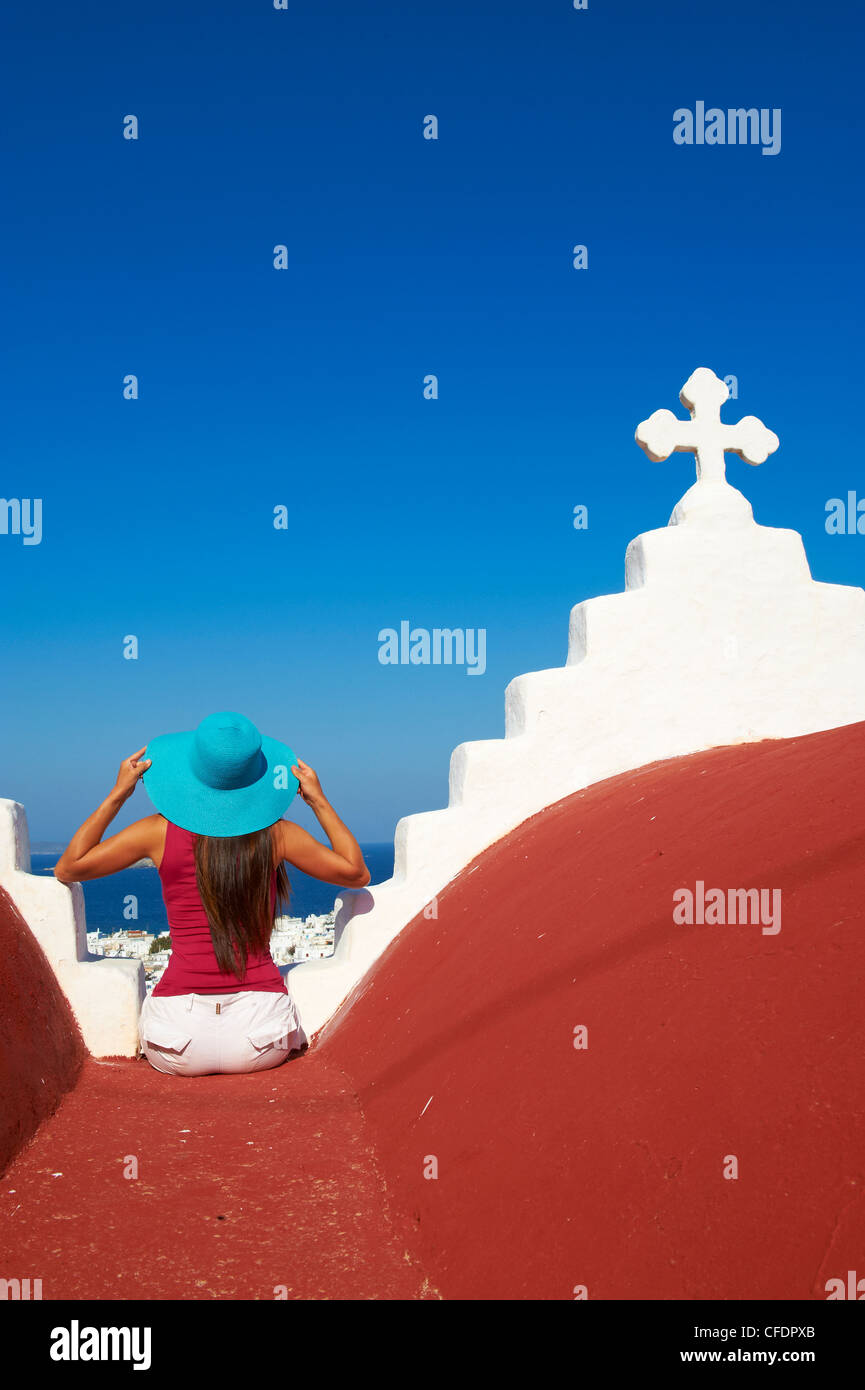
(709, 1049)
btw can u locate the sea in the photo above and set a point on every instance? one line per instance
(110, 901)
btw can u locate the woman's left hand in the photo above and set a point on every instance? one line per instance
(130, 772)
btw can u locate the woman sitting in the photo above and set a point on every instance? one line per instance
(220, 845)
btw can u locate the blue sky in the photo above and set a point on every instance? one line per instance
(303, 387)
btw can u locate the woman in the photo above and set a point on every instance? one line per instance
(219, 843)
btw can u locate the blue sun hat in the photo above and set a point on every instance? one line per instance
(224, 778)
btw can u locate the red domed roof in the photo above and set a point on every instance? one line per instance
(558, 1165)
(604, 1165)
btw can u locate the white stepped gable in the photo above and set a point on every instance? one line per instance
(105, 995)
(720, 637)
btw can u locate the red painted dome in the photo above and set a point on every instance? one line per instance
(709, 1048)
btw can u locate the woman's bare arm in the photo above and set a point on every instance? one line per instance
(343, 863)
(85, 857)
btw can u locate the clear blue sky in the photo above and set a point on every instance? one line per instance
(304, 387)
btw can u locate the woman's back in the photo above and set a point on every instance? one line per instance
(193, 967)
(225, 783)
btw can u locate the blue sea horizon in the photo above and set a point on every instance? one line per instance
(109, 900)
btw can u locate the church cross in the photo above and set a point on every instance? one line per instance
(704, 435)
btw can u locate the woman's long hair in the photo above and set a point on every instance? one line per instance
(234, 874)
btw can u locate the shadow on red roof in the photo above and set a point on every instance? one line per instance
(41, 1048)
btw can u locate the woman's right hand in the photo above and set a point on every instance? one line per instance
(131, 770)
(310, 788)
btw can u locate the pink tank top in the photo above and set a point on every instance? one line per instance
(192, 967)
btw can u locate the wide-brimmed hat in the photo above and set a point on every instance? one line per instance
(224, 778)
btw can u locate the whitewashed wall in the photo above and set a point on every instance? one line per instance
(105, 995)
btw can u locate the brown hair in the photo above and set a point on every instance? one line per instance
(234, 874)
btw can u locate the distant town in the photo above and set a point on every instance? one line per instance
(294, 939)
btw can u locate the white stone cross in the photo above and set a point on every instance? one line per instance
(704, 434)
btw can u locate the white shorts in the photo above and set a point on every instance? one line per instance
(195, 1034)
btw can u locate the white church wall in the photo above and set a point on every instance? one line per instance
(105, 995)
